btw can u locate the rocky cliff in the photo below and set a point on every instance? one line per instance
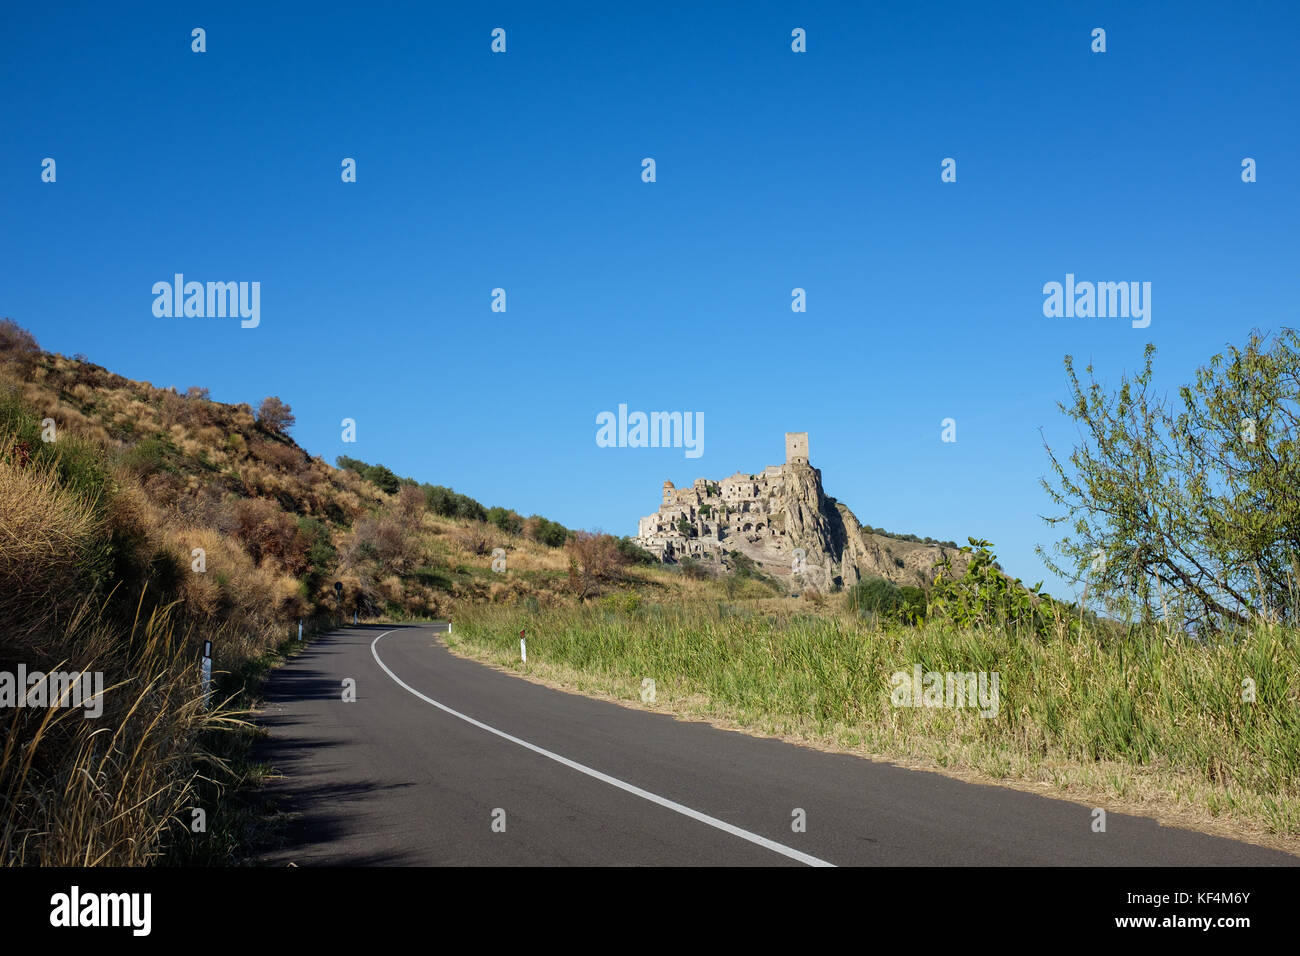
(782, 519)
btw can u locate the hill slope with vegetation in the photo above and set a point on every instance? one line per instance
(137, 522)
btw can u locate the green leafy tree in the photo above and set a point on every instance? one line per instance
(1187, 509)
(505, 519)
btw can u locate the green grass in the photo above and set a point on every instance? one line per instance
(1148, 715)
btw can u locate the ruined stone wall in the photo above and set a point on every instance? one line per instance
(769, 516)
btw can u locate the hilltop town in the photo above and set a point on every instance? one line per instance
(781, 519)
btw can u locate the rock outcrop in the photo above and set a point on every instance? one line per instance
(782, 519)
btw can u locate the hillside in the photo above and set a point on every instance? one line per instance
(136, 523)
(270, 518)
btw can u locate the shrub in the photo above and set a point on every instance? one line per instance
(410, 504)
(693, 569)
(267, 531)
(274, 415)
(912, 602)
(320, 552)
(633, 553)
(383, 478)
(384, 541)
(744, 568)
(505, 519)
(550, 533)
(476, 538)
(280, 456)
(447, 503)
(876, 596)
(983, 594)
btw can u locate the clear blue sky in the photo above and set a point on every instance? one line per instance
(775, 170)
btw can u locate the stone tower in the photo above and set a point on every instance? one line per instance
(669, 488)
(796, 448)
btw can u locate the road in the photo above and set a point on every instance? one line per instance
(445, 761)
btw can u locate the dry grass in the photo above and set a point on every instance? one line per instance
(47, 533)
(1150, 724)
(77, 790)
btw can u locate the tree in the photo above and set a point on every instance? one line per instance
(275, 416)
(599, 558)
(505, 519)
(547, 532)
(1187, 510)
(383, 478)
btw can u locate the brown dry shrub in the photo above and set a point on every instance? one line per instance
(280, 456)
(171, 409)
(410, 504)
(597, 555)
(267, 531)
(383, 541)
(164, 488)
(476, 538)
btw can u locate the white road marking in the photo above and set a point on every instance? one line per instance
(606, 778)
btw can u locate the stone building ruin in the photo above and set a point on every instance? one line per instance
(781, 519)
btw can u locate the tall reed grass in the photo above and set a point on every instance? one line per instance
(1169, 708)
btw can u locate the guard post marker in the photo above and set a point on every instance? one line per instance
(207, 671)
(523, 648)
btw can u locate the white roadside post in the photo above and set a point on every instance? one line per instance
(523, 648)
(207, 671)
(300, 629)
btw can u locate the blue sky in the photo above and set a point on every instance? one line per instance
(775, 170)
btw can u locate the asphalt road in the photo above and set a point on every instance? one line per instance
(444, 761)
